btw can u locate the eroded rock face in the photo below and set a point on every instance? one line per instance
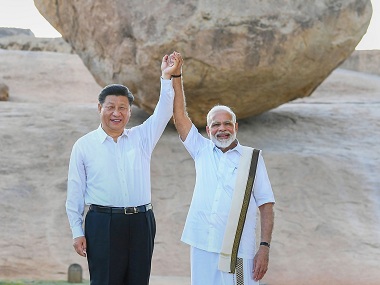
(251, 55)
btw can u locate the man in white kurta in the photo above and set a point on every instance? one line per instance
(216, 163)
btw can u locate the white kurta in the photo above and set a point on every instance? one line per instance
(215, 181)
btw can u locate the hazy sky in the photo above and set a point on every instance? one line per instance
(23, 14)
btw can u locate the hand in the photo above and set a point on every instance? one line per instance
(260, 263)
(171, 65)
(80, 246)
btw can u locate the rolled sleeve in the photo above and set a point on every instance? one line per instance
(194, 142)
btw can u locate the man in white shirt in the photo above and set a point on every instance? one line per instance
(110, 171)
(216, 162)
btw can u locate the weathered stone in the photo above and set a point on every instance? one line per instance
(24, 39)
(251, 55)
(28, 43)
(4, 92)
(7, 32)
(75, 273)
(367, 61)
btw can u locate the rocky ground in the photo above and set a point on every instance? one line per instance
(321, 153)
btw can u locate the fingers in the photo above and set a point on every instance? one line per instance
(80, 250)
(80, 246)
(172, 58)
(171, 64)
(176, 57)
(260, 267)
(259, 273)
(165, 61)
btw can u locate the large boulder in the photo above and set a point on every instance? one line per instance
(251, 55)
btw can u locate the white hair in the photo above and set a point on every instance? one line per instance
(220, 108)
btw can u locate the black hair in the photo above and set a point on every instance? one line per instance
(117, 90)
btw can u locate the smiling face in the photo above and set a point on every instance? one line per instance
(222, 130)
(114, 114)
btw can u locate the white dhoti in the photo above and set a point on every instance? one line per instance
(204, 270)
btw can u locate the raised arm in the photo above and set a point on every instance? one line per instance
(152, 128)
(181, 119)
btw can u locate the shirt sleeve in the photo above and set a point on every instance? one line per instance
(76, 186)
(194, 142)
(262, 189)
(152, 129)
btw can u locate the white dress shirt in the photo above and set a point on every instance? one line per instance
(215, 182)
(116, 174)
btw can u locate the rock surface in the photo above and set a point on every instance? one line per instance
(367, 61)
(251, 55)
(4, 92)
(7, 32)
(28, 43)
(321, 153)
(24, 39)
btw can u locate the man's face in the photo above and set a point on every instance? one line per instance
(114, 114)
(222, 131)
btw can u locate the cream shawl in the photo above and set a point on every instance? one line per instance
(240, 200)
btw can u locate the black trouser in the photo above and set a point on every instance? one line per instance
(120, 247)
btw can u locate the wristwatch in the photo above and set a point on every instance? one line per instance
(265, 243)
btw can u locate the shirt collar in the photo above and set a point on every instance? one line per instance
(237, 148)
(102, 135)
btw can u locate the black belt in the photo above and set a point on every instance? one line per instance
(121, 210)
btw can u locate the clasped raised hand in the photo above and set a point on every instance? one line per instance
(171, 65)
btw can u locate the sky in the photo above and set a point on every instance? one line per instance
(23, 14)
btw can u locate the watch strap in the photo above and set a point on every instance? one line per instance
(265, 244)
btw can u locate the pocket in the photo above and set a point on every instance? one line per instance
(230, 180)
(153, 223)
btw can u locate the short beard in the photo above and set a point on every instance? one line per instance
(223, 143)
